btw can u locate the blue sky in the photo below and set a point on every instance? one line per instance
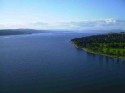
(62, 14)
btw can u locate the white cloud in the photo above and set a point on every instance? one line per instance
(104, 24)
(39, 23)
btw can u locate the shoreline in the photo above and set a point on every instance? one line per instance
(86, 50)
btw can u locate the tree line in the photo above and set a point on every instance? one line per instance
(111, 44)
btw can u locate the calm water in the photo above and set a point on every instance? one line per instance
(49, 63)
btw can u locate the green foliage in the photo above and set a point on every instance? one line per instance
(109, 44)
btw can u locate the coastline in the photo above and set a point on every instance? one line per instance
(86, 50)
(74, 44)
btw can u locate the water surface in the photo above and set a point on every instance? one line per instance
(49, 63)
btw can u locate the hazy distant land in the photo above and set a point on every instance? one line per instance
(19, 31)
(4, 32)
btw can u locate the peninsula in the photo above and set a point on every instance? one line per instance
(111, 44)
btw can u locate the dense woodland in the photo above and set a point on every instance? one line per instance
(110, 44)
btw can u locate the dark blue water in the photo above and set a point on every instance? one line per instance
(49, 63)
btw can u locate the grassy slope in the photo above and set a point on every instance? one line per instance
(104, 53)
(97, 52)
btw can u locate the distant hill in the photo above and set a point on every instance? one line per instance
(102, 31)
(19, 31)
(32, 31)
(4, 32)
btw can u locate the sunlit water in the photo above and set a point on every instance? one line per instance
(49, 63)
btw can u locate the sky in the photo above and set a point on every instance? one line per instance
(62, 14)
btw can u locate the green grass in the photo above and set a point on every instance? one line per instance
(117, 52)
(102, 53)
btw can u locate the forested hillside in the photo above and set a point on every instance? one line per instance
(110, 44)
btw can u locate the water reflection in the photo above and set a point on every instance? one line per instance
(108, 60)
